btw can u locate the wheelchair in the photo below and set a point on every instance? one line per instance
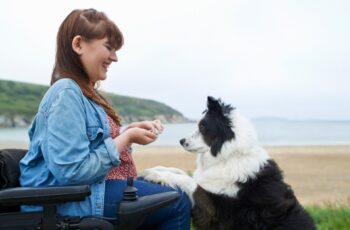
(131, 211)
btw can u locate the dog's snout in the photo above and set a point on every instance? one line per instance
(182, 141)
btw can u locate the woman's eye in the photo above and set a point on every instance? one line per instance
(108, 47)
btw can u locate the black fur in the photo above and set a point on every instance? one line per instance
(263, 203)
(216, 125)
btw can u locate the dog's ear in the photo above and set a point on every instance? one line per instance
(216, 105)
(213, 104)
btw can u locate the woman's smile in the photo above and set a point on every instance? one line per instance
(106, 65)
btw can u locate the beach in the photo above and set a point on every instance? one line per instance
(318, 174)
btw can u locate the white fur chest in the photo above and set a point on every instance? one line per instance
(219, 175)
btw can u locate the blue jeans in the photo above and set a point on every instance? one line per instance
(172, 217)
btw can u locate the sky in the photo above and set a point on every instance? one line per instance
(270, 58)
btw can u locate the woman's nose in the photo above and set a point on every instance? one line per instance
(114, 57)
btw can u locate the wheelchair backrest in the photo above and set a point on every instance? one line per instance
(9, 171)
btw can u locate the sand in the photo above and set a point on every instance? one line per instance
(318, 174)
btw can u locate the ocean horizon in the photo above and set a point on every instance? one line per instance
(271, 131)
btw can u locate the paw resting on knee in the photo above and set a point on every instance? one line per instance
(160, 177)
(168, 169)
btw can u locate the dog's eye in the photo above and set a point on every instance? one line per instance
(201, 127)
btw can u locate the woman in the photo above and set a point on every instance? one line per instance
(74, 137)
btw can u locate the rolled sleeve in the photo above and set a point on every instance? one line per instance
(112, 151)
(66, 144)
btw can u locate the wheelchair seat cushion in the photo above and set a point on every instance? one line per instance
(9, 167)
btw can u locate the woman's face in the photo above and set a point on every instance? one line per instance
(96, 56)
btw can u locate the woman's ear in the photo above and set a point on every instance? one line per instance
(77, 44)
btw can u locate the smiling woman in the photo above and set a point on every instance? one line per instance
(75, 137)
(94, 40)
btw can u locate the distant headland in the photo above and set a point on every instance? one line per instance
(19, 103)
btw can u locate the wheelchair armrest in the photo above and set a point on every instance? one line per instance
(132, 213)
(43, 195)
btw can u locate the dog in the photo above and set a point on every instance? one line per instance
(236, 184)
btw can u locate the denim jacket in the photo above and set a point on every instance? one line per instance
(69, 145)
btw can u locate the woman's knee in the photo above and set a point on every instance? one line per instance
(183, 205)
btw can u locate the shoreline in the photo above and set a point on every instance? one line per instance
(318, 174)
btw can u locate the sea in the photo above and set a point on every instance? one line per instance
(271, 132)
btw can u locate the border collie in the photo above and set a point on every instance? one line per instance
(236, 185)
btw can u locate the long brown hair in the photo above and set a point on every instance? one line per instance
(90, 24)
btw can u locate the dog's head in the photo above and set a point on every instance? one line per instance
(220, 128)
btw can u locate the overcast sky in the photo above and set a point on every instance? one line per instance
(281, 58)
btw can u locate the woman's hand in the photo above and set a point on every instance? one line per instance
(143, 133)
(134, 135)
(154, 126)
(141, 136)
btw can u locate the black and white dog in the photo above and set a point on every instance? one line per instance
(236, 184)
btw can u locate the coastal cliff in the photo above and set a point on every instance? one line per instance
(19, 103)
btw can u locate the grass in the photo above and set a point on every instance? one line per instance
(329, 216)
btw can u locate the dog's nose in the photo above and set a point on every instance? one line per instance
(182, 141)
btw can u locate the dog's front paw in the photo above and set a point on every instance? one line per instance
(160, 177)
(169, 169)
(154, 176)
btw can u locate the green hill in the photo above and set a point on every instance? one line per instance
(19, 103)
